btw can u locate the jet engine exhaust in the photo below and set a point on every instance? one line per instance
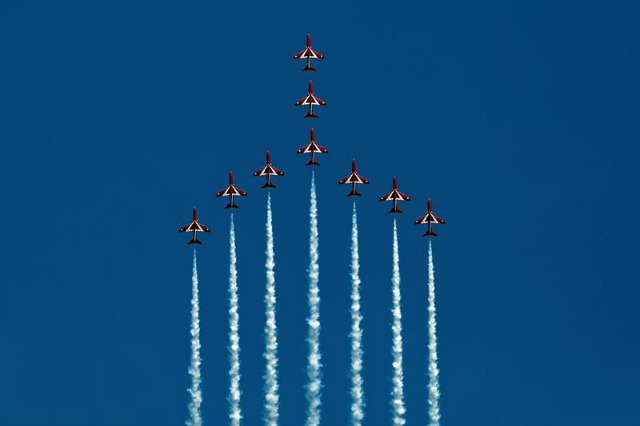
(195, 418)
(397, 393)
(235, 414)
(314, 364)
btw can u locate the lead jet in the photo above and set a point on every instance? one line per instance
(268, 170)
(308, 53)
(310, 100)
(429, 218)
(395, 195)
(354, 178)
(311, 148)
(231, 191)
(194, 227)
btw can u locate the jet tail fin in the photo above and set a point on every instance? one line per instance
(232, 206)
(195, 241)
(354, 192)
(313, 162)
(394, 210)
(309, 68)
(268, 185)
(311, 114)
(429, 233)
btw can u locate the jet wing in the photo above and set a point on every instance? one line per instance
(204, 228)
(224, 192)
(421, 219)
(317, 101)
(439, 219)
(261, 172)
(186, 228)
(403, 196)
(301, 54)
(345, 179)
(277, 171)
(361, 179)
(308, 52)
(315, 54)
(239, 191)
(387, 197)
(303, 101)
(304, 149)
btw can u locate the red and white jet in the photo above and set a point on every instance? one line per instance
(194, 227)
(310, 100)
(308, 53)
(354, 178)
(312, 147)
(429, 218)
(395, 195)
(231, 191)
(268, 170)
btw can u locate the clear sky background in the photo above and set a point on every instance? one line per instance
(519, 119)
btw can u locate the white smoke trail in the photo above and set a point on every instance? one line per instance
(434, 386)
(235, 415)
(357, 396)
(398, 376)
(270, 330)
(194, 369)
(314, 366)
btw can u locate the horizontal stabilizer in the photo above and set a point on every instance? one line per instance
(309, 68)
(268, 185)
(354, 192)
(313, 162)
(233, 206)
(195, 241)
(429, 233)
(311, 114)
(394, 210)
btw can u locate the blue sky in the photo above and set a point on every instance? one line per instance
(519, 120)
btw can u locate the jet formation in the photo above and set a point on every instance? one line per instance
(312, 148)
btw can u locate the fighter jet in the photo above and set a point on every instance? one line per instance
(310, 100)
(354, 178)
(268, 170)
(312, 147)
(194, 227)
(395, 195)
(231, 191)
(429, 218)
(308, 53)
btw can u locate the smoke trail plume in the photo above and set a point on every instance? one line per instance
(195, 418)
(270, 331)
(235, 415)
(397, 393)
(314, 366)
(357, 396)
(434, 386)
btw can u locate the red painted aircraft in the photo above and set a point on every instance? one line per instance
(268, 170)
(395, 195)
(312, 147)
(429, 218)
(308, 53)
(354, 178)
(194, 227)
(231, 191)
(310, 100)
